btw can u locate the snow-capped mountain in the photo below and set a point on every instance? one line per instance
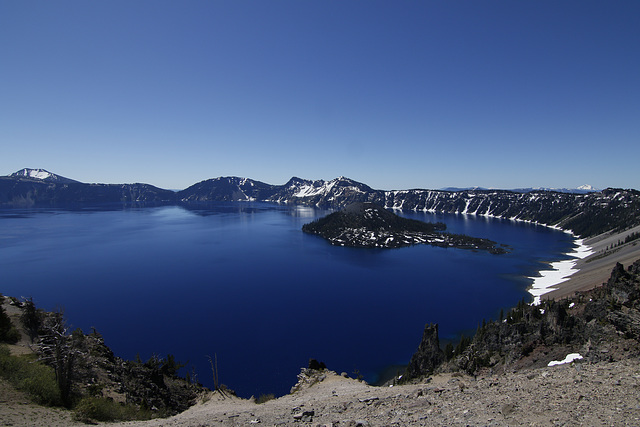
(587, 187)
(29, 187)
(42, 175)
(228, 188)
(340, 191)
(586, 214)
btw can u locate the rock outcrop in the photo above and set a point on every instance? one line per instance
(90, 368)
(428, 356)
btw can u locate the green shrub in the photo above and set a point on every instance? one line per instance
(91, 409)
(11, 336)
(42, 386)
(27, 374)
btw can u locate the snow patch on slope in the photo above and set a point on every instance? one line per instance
(35, 173)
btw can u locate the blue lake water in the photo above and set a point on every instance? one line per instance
(241, 281)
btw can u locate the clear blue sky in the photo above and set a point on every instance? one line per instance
(395, 94)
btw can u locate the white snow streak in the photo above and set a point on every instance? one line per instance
(560, 272)
(570, 358)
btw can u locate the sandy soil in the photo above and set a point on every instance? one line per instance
(595, 269)
(570, 394)
(16, 409)
(577, 394)
(24, 345)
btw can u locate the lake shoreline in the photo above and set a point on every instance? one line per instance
(594, 269)
(549, 279)
(143, 253)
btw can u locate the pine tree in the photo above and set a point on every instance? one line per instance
(31, 319)
(448, 351)
(8, 333)
(59, 350)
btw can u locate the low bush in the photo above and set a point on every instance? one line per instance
(91, 409)
(11, 336)
(27, 374)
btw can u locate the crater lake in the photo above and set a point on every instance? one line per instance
(242, 282)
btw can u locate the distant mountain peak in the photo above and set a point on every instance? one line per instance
(33, 173)
(587, 187)
(455, 189)
(579, 190)
(583, 189)
(345, 179)
(41, 175)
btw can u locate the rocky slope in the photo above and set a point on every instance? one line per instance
(92, 369)
(602, 324)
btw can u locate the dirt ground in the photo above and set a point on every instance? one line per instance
(16, 409)
(570, 394)
(577, 394)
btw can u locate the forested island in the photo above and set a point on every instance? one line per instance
(368, 225)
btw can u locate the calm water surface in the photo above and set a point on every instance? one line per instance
(242, 281)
